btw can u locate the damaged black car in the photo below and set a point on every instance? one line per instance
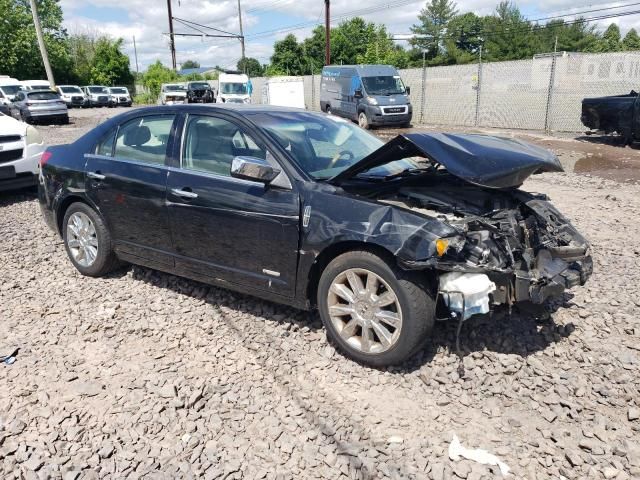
(309, 210)
(619, 114)
(200, 92)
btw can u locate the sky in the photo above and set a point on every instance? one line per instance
(264, 20)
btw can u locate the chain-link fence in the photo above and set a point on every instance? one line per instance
(543, 93)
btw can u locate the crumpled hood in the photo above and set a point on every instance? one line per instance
(484, 160)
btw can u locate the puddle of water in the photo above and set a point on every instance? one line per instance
(619, 169)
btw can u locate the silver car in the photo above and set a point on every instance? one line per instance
(41, 105)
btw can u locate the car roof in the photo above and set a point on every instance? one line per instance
(240, 108)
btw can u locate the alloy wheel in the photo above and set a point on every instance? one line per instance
(82, 239)
(365, 311)
(362, 120)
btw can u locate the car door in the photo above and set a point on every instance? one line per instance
(126, 179)
(226, 228)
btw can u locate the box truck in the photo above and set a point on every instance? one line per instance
(284, 92)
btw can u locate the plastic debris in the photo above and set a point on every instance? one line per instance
(457, 450)
(9, 359)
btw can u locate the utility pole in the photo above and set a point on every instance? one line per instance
(135, 52)
(327, 33)
(172, 42)
(43, 47)
(241, 33)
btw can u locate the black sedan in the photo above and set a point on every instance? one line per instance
(309, 210)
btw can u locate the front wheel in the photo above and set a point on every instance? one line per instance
(372, 311)
(363, 121)
(88, 241)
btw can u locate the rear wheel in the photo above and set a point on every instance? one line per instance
(328, 109)
(374, 312)
(363, 121)
(88, 241)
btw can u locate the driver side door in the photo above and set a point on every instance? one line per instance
(228, 229)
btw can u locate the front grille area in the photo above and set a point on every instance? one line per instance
(76, 99)
(122, 100)
(394, 110)
(103, 99)
(10, 155)
(9, 138)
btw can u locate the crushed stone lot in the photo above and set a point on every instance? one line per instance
(146, 375)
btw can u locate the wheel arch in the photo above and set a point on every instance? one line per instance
(332, 251)
(64, 205)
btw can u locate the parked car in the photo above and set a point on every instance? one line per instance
(39, 105)
(615, 114)
(372, 95)
(119, 96)
(234, 87)
(200, 92)
(72, 95)
(97, 95)
(21, 146)
(310, 210)
(8, 89)
(172, 94)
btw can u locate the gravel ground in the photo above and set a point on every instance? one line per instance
(144, 374)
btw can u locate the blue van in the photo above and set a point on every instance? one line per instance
(372, 95)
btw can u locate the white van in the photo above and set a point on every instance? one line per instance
(8, 89)
(233, 88)
(35, 85)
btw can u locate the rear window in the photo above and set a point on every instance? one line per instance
(42, 96)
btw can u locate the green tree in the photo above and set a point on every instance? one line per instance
(155, 76)
(250, 66)
(19, 53)
(110, 65)
(313, 48)
(610, 40)
(432, 26)
(190, 64)
(287, 58)
(350, 40)
(509, 36)
(381, 49)
(631, 40)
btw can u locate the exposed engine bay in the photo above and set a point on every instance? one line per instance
(521, 242)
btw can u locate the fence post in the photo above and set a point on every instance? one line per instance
(552, 78)
(423, 88)
(479, 88)
(312, 107)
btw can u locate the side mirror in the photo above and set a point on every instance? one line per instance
(253, 168)
(407, 90)
(357, 93)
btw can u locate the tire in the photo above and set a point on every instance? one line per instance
(64, 120)
(25, 118)
(328, 109)
(363, 121)
(413, 305)
(104, 260)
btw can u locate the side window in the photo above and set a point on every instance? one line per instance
(145, 139)
(211, 143)
(105, 146)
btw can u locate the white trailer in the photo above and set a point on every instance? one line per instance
(284, 92)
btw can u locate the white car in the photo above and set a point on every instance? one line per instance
(173, 94)
(21, 147)
(119, 96)
(72, 95)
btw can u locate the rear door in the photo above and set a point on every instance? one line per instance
(225, 228)
(126, 178)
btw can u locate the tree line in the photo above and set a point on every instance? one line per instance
(83, 58)
(442, 36)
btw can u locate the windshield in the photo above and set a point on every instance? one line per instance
(233, 88)
(97, 90)
(43, 96)
(118, 90)
(386, 85)
(174, 88)
(323, 146)
(70, 90)
(10, 89)
(199, 85)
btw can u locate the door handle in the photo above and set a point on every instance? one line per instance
(96, 175)
(184, 193)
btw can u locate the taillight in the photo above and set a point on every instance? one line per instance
(46, 155)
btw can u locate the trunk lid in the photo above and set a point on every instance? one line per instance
(487, 161)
